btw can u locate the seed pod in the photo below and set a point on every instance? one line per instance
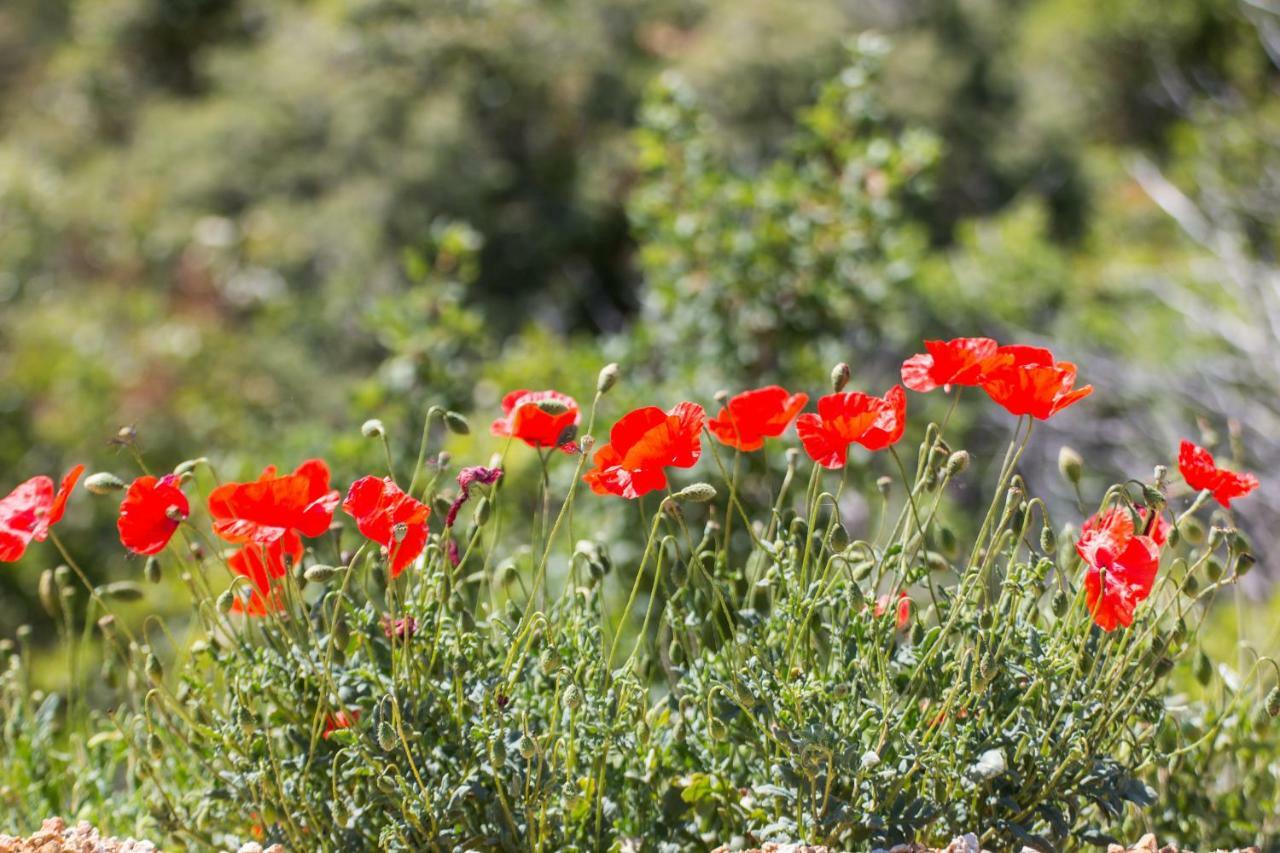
(607, 379)
(457, 423)
(103, 483)
(121, 591)
(840, 377)
(49, 594)
(1070, 465)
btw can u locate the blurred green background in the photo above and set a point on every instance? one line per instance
(244, 227)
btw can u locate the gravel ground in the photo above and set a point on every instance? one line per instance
(54, 836)
(967, 844)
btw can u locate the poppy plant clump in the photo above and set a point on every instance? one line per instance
(728, 655)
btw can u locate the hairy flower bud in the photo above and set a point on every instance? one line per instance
(573, 697)
(373, 428)
(1060, 603)
(484, 509)
(957, 462)
(121, 591)
(226, 599)
(883, 484)
(155, 671)
(321, 573)
(49, 593)
(457, 423)
(607, 379)
(1244, 563)
(1070, 465)
(840, 377)
(151, 569)
(103, 483)
(697, 493)
(155, 746)
(1048, 540)
(386, 736)
(1273, 702)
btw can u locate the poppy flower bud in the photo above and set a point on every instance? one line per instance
(1213, 569)
(151, 570)
(957, 462)
(697, 493)
(528, 747)
(103, 483)
(483, 511)
(121, 591)
(1070, 465)
(722, 397)
(197, 550)
(155, 746)
(1154, 498)
(1192, 529)
(386, 736)
(321, 573)
(175, 514)
(457, 423)
(840, 376)
(49, 593)
(883, 484)
(1245, 562)
(937, 562)
(190, 465)
(155, 671)
(1201, 668)
(1059, 603)
(226, 600)
(947, 541)
(1190, 585)
(608, 378)
(373, 428)
(107, 625)
(1273, 703)
(573, 697)
(1048, 541)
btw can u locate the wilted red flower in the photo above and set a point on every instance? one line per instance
(468, 477)
(539, 419)
(340, 720)
(1029, 381)
(752, 416)
(379, 507)
(1200, 472)
(262, 565)
(29, 511)
(264, 510)
(958, 361)
(401, 629)
(642, 444)
(851, 416)
(150, 513)
(904, 608)
(1122, 564)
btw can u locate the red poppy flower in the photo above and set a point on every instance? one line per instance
(1200, 472)
(753, 416)
(958, 361)
(151, 511)
(1122, 565)
(904, 608)
(340, 720)
(27, 513)
(848, 417)
(642, 444)
(264, 510)
(263, 565)
(379, 506)
(1029, 381)
(539, 419)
